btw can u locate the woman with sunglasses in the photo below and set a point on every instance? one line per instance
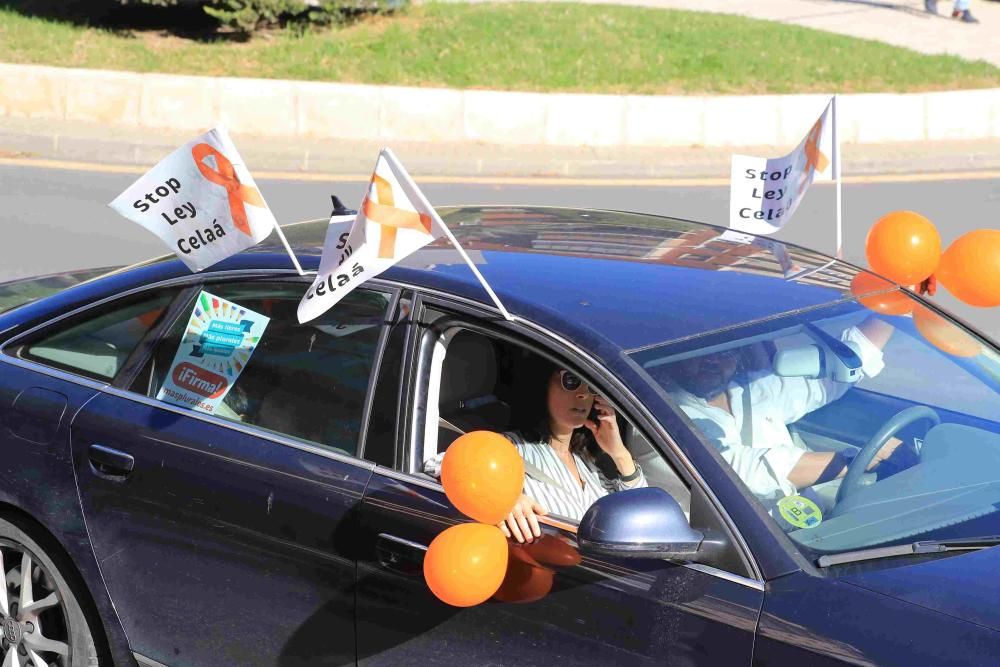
(572, 448)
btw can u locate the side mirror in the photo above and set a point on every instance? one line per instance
(638, 523)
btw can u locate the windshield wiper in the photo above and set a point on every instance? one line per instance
(925, 547)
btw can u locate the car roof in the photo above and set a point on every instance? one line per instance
(633, 279)
(639, 279)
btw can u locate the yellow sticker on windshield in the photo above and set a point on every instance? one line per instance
(800, 511)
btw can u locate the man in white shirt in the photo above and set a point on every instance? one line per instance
(773, 464)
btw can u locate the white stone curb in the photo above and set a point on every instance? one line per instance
(272, 108)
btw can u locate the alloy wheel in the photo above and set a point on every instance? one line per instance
(33, 619)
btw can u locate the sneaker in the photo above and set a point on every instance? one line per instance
(930, 6)
(967, 17)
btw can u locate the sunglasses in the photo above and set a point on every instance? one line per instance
(572, 382)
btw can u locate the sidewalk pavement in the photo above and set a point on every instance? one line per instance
(326, 110)
(71, 141)
(899, 22)
(136, 119)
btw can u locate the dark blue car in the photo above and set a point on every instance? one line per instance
(282, 518)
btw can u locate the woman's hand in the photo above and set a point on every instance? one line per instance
(522, 522)
(608, 437)
(605, 429)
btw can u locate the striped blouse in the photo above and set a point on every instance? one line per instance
(567, 499)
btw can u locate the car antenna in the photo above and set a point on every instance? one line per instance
(339, 208)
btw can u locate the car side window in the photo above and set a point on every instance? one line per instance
(478, 382)
(97, 344)
(308, 381)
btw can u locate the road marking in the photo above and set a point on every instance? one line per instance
(539, 181)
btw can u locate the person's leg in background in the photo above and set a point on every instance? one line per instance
(962, 12)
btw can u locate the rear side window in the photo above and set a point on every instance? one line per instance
(96, 344)
(308, 381)
(16, 293)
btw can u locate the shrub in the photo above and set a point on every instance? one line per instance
(249, 15)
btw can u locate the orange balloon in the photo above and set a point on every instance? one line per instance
(520, 552)
(970, 268)
(894, 302)
(944, 335)
(903, 246)
(483, 475)
(553, 551)
(465, 564)
(524, 581)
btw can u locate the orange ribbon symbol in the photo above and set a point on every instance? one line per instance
(226, 176)
(814, 156)
(391, 218)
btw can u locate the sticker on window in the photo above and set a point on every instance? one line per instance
(217, 344)
(800, 512)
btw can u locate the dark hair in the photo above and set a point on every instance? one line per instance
(530, 409)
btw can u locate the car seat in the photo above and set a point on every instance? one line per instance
(467, 401)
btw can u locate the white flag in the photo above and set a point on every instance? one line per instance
(764, 193)
(201, 201)
(394, 220)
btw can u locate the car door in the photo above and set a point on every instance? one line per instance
(47, 374)
(556, 604)
(226, 538)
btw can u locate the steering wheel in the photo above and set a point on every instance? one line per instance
(857, 467)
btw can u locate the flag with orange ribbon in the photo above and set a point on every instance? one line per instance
(764, 192)
(393, 221)
(201, 201)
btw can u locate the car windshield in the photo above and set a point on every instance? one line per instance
(854, 429)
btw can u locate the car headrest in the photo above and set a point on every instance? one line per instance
(470, 370)
(285, 411)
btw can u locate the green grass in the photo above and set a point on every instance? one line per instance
(537, 47)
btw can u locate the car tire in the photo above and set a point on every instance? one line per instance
(52, 624)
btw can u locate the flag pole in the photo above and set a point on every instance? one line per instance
(468, 260)
(417, 194)
(295, 262)
(288, 248)
(836, 176)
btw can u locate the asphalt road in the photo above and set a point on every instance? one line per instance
(55, 220)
